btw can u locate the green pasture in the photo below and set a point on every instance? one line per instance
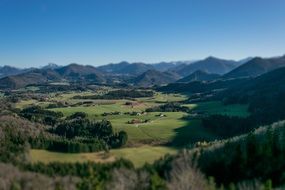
(163, 98)
(144, 154)
(138, 155)
(98, 108)
(158, 130)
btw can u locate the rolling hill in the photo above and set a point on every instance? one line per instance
(36, 76)
(125, 68)
(256, 66)
(210, 65)
(267, 84)
(75, 72)
(153, 77)
(199, 76)
(72, 72)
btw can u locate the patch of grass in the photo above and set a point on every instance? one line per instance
(48, 156)
(98, 109)
(157, 129)
(144, 154)
(163, 98)
(25, 103)
(138, 155)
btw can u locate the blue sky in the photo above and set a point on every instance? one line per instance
(96, 32)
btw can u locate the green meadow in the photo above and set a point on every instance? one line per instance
(138, 155)
(147, 141)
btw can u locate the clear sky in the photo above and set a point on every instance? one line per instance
(96, 32)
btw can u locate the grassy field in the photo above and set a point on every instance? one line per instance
(146, 140)
(163, 98)
(24, 103)
(157, 129)
(139, 155)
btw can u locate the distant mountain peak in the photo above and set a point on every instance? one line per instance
(50, 66)
(211, 58)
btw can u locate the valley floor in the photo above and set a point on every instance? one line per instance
(147, 141)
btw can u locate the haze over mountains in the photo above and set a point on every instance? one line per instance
(140, 74)
(8, 70)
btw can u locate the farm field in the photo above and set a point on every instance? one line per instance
(158, 128)
(138, 155)
(163, 98)
(147, 141)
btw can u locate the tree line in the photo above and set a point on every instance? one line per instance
(119, 94)
(169, 107)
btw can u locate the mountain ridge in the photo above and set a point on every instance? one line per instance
(154, 77)
(210, 64)
(199, 75)
(257, 66)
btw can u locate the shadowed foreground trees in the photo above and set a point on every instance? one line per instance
(11, 178)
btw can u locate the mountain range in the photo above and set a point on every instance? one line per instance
(140, 74)
(135, 69)
(71, 73)
(266, 82)
(125, 68)
(36, 76)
